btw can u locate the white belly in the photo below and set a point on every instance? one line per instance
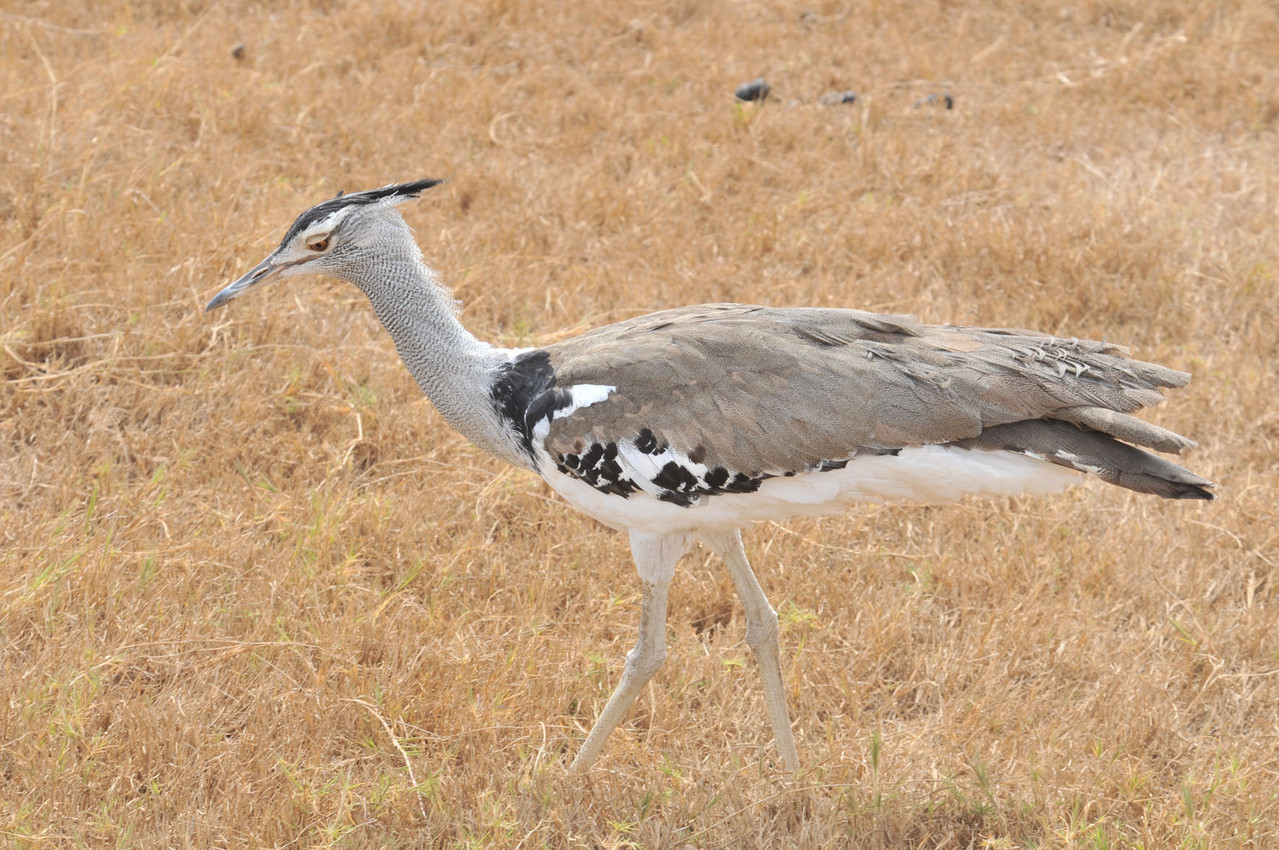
(927, 474)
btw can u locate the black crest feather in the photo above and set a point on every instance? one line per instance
(400, 191)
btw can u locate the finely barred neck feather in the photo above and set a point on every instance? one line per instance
(456, 370)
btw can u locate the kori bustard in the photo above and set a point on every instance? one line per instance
(688, 424)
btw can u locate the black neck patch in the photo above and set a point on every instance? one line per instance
(525, 393)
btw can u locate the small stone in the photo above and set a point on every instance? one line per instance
(756, 89)
(838, 98)
(944, 99)
(238, 52)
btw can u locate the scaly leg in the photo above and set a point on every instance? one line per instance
(761, 637)
(655, 558)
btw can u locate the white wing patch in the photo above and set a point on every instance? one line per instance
(582, 395)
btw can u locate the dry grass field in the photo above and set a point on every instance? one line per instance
(255, 593)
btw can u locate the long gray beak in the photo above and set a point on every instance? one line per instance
(260, 274)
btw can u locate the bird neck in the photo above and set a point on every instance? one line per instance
(454, 368)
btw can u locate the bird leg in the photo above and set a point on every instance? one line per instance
(655, 558)
(761, 637)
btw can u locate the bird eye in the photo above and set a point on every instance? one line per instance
(318, 244)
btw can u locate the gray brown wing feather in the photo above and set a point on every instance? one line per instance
(765, 390)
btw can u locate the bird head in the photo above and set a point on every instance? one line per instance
(330, 235)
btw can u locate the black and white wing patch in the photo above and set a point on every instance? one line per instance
(622, 467)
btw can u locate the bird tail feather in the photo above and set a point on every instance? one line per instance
(1079, 444)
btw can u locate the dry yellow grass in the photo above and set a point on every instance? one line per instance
(253, 592)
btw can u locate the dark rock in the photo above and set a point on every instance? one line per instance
(756, 89)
